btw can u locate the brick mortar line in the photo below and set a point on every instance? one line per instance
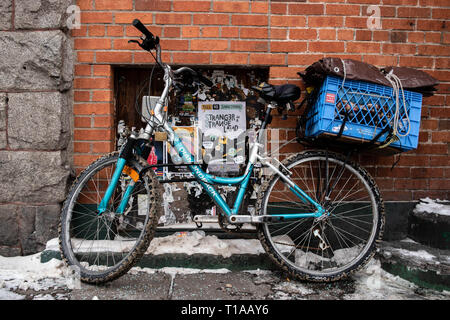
(263, 40)
(270, 28)
(6, 121)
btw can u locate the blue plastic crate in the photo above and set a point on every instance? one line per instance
(369, 108)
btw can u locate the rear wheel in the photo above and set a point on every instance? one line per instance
(336, 244)
(105, 246)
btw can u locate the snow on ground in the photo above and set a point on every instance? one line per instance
(418, 255)
(175, 270)
(5, 294)
(25, 273)
(432, 206)
(197, 242)
(180, 242)
(373, 283)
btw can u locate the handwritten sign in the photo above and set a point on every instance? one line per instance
(228, 117)
(223, 125)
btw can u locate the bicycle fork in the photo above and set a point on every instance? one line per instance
(121, 167)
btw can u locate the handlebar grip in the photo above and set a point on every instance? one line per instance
(138, 25)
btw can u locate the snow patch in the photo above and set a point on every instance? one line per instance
(174, 270)
(5, 294)
(180, 242)
(408, 240)
(197, 242)
(28, 273)
(43, 297)
(420, 254)
(293, 288)
(428, 205)
(373, 283)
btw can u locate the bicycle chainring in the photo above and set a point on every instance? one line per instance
(225, 225)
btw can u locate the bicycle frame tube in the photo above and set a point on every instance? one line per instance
(112, 185)
(158, 117)
(207, 180)
(126, 197)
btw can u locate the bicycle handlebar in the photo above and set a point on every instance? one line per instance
(194, 73)
(152, 42)
(140, 26)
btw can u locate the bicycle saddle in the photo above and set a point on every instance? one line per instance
(282, 93)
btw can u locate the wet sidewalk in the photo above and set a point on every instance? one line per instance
(254, 285)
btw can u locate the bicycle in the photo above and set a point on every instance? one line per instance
(319, 216)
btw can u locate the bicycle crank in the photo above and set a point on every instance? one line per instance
(234, 219)
(206, 219)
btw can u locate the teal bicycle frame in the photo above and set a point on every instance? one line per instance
(207, 180)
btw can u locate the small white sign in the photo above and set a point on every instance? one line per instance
(226, 116)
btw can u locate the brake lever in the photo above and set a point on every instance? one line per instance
(147, 43)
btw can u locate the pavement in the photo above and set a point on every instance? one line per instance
(236, 285)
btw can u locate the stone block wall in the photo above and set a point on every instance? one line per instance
(36, 73)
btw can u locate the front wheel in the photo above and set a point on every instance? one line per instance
(339, 242)
(104, 246)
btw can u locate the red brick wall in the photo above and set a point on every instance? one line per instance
(288, 36)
